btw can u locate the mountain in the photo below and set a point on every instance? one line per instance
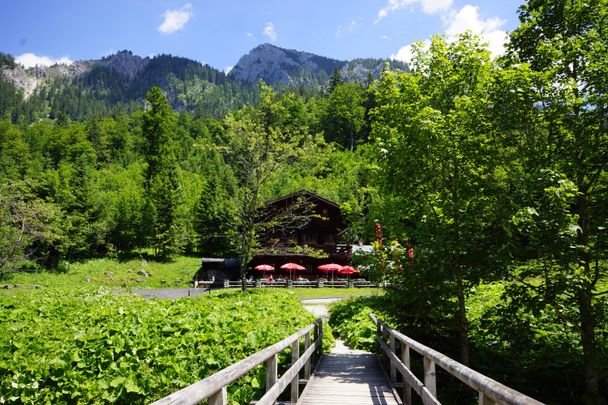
(119, 82)
(279, 66)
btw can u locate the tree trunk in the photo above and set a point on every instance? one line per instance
(463, 323)
(585, 297)
(588, 343)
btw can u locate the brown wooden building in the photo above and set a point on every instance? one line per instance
(307, 232)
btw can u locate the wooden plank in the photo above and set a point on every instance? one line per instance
(405, 359)
(271, 372)
(295, 386)
(429, 376)
(353, 379)
(220, 398)
(272, 394)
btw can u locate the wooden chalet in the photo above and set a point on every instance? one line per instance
(305, 229)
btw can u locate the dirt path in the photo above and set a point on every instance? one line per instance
(319, 307)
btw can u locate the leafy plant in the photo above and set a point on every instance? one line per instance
(101, 347)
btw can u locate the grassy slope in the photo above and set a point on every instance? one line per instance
(113, 273)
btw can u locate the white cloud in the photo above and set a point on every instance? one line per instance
(249, 34)
(406, 53)
(466, 19)
(270, 32)
(385, 37)
(346, 29)
(175, 20)
(428, 7)
(435, 6)
(31, 60)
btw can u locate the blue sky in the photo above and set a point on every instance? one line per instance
(219, 32)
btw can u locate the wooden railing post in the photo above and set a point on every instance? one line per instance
(295, 383)
(484, 400)
(429, 376)
(392, 368)
(219, 398)
(405, 358)
(307, 365)
(271, 372)
(320, 326)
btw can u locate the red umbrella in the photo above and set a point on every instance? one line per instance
(330, 267)
(348, 270)
(292, 266)
(264, 268)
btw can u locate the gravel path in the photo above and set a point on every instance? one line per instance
(319, 308)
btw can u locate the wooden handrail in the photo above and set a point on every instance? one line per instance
(214, 386)
(489, 390)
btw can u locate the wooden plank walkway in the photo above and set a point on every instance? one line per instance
(351, 378)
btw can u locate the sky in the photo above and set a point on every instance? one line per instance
(219, 32)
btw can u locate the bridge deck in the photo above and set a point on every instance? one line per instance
(352, 378)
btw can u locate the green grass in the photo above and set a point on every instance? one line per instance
(112, 273)
(335, 292)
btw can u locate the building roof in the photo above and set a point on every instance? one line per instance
(304, 193)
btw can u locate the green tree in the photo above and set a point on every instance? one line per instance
(343, 114)
(555, 84)
(161, 180)
(26, 223)
(335, 80)
(439, 164)
(258, 150)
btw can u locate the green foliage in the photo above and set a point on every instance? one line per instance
(101, 347)
(437, 157)
(162, 181)
(350, 321)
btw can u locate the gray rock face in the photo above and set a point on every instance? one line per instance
(125, 63)
(30, 79)
(277, 65)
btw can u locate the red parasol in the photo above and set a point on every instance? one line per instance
(292, 266)
(348, 270)
(264, 268)
(330, 267)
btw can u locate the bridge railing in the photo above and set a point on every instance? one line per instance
(489, 390)
(214, 387)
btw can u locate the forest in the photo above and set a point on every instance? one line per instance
(493, 170)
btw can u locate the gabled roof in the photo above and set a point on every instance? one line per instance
(303, 193)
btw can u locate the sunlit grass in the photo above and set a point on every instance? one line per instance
(335, 292)
(177, 272)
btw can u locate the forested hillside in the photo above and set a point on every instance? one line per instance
(117, 83)
(492, 171)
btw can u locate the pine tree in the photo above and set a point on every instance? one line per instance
(162, 184)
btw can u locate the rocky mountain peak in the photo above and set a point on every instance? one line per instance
(278, 65)
(125, 63)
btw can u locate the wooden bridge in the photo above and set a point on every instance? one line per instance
(348, 377)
